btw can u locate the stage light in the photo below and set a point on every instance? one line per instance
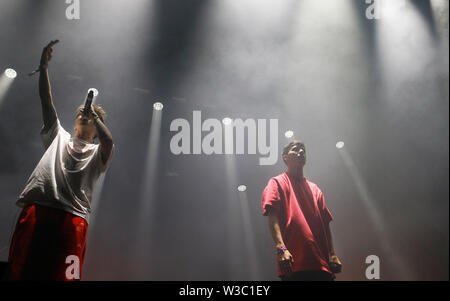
(340, 144)
(6, 80)
(150, 178)
(289, 134)
(158, 106)
(240, 232)
(250, 245)
(10, 73)
(242, 188)
(402, 21)
(226, 121)
(94, 90)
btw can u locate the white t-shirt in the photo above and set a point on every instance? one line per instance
(65, 176)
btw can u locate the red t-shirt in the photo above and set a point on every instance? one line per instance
(303, 217)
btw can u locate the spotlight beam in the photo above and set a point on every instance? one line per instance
(376, 218)
(240, 228)
(6, 79)
(145, 227)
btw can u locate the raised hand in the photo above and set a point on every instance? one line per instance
(47, 53)
(93, 113)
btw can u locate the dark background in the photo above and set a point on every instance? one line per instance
(318, 66)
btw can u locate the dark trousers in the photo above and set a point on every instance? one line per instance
(308, 276)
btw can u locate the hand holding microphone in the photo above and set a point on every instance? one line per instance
(88, 103)
(89, 107)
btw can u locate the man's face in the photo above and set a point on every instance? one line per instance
(296, 156)
(85, 124)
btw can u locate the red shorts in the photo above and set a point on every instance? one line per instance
(43, 241)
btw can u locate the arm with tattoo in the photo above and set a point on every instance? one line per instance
(104, 136)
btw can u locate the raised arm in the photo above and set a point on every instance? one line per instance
(48, 110)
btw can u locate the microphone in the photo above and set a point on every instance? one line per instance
(88, 102)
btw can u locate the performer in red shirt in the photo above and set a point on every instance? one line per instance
(299, 222)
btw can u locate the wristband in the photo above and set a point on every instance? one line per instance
(97, 117)
(281, 250)
(43, 66)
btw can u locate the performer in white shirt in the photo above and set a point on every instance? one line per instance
(50, 234)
